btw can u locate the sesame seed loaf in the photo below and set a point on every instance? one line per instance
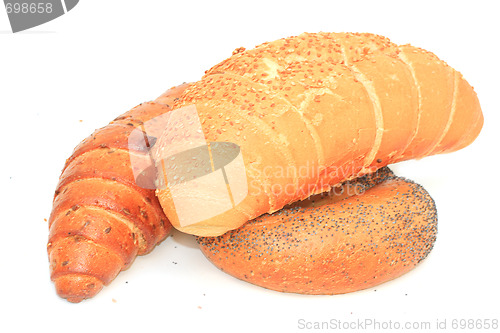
(325, 107)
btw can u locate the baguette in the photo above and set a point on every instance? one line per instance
(312, 111)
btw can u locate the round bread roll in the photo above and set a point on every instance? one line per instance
(333, 244)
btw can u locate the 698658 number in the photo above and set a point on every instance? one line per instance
(474, 324)
(29, 8)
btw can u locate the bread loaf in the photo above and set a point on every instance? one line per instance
(101, 219)
(324, 245)
(311, 111)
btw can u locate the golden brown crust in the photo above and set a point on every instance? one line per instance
(325, 107)
(332, 247)
(101, 219)
(434, 81)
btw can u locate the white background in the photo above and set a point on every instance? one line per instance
(63, 79)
